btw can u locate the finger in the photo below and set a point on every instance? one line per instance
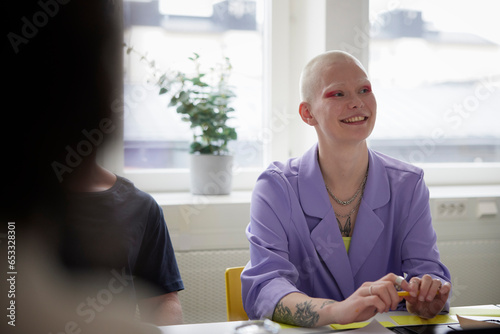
(433, 290)
(396, 299)
(384, 293)
(414, 286)
(398, 281)
(399, 284)
(403, 284)
(445, 288)
(387, 293)
(425, 284)
(444, 291)
(390, 278)
(378, 303)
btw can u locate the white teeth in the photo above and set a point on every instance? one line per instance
(354, 119)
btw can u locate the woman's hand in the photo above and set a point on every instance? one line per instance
(427, 296)
(380, 296)
(371, 298)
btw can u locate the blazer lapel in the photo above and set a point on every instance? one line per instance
(368, 226)
(366, 233)
(325, 235)
(330, 247)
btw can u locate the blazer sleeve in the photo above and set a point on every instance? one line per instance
(269, 275)
(419, 252)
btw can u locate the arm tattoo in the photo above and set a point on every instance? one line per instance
(305, 316)
(326, 302)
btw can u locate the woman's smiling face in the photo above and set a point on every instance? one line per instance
(343, 105)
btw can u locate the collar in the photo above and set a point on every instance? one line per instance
(312, 191)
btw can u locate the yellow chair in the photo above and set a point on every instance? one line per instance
(234, 303)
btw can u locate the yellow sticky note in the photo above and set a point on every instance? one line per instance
(416, 320)
(487, 312)
(286, 325)
(349, 326)
(360, 324)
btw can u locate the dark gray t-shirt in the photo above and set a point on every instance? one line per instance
(121, 232)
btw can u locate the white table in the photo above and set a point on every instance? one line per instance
(228, 327)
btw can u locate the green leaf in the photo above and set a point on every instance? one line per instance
(163, 90)
(173, 102)
(232, 134)
(183, 96)
(195, 147)
(197, 81)
(182, 109)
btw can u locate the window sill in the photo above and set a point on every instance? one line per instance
(175, 182)
(186, 198)
(165, 199)
(465, 191)
(197, 222)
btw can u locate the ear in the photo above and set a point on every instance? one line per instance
(306, 114)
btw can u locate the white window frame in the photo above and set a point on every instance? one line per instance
(297, 31)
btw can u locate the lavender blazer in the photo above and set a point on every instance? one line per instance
(295, 242)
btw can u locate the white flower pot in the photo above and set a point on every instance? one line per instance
(211, 174)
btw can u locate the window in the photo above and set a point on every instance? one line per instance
(169, 32)
(436, 74)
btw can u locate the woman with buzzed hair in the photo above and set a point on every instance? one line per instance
(336, 233)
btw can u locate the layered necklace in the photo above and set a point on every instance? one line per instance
(346, 229)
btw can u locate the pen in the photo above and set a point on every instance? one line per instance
(406, 293)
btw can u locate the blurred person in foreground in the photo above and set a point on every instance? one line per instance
(89, 246)
(335, 233)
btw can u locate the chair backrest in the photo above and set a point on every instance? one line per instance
(234, 303)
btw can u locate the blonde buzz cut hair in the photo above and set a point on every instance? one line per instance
(308, 84)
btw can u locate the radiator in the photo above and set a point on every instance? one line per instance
(204, 297)
(475, 270)
(208, 234)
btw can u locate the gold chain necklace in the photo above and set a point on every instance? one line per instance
(346, 229)
(350, 200)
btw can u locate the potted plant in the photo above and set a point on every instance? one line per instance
(202, 99)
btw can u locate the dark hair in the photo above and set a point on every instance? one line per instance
(63, 72)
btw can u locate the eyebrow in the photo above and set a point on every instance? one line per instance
(334, 85)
